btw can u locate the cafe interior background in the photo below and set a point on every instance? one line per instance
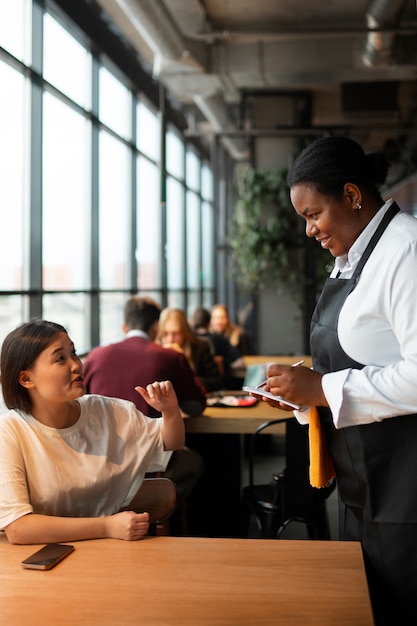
(144, 146)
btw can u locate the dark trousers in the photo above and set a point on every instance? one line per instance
(390, 557)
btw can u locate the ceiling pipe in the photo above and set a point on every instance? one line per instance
(382, 18)
(241, 37)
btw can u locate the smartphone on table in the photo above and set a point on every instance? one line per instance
(48, 556)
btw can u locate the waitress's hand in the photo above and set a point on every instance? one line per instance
(300, 385)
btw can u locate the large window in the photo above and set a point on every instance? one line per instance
(101, 197)
(14, 197)
(66, 197)
(15, 28)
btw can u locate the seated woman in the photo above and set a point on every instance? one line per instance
(175, 332)
(220, 322)
(231, 357)
(70, 461)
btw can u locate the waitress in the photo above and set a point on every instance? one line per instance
(364, 348)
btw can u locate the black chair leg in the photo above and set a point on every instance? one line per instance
(245, 516)
(318, 526)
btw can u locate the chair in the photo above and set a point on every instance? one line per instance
(156, 496)
(289, 496)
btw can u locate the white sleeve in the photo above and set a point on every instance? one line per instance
(14, 497)
(387, 385)
(303, 417)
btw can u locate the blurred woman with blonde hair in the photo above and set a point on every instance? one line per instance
(175, 332)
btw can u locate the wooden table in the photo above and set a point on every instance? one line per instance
(243, 420)
(262, 359)
(189, 582)
(235, 420)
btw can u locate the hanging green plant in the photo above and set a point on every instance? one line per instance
(266, 235)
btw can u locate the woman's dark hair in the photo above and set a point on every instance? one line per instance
(20, 349)
(330, 162)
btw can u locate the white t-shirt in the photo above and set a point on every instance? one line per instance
(90, 469)
(377, 326)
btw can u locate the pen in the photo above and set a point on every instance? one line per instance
(265, 381)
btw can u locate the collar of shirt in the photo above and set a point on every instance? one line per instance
(347, 263)
(135, 332)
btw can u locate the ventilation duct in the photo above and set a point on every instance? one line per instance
(155, 26)
(382, 18)
(213, 109)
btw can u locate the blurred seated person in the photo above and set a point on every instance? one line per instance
(231, 357)
(220, 322)
(116, 369)
(175, 332)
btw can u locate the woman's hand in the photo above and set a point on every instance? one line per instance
(300, 385)
(160, 395)
(174, 346)
(127, 525)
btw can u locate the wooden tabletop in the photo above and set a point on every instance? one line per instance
(265, 359)
(236, 420)
(188, 582)
(244, 420)
(257, 359)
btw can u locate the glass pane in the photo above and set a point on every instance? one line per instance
(193, 241)
(148, 134)
(208, 245)
(115, 213)
(175, 234)
(193, 170)
(66, 62)
(16, 27)
(66, 197)
(148, 253)
(176, 300)
(71, 310)
(174, 154)
(111, 316)
(208, 299)
(14, 158)
(193, 299)
(13, 311)
(207, 182)
(115, 102)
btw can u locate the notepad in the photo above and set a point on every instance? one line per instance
(259, 392)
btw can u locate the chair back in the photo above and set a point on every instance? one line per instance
(156, 496)
(289, 496)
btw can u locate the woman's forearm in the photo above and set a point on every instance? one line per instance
(173, 430)
(33, 528)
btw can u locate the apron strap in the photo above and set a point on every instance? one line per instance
(391, 212)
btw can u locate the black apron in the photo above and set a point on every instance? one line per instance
(376, 464)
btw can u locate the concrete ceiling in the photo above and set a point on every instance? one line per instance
(345, 66)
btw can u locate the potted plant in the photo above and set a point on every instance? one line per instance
(267, 237)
